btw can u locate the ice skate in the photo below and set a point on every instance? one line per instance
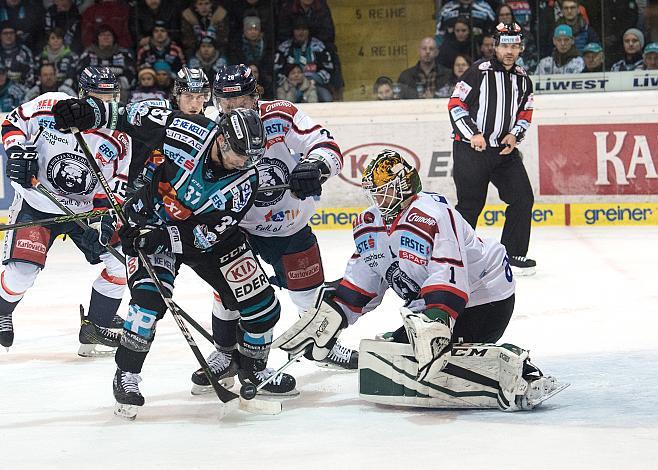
(340, 358)
(222, 366)
(126, 392)
(6, 331)
(256, 371)
(522, 266)
(539, 390)
(117, 322)
(96, 341)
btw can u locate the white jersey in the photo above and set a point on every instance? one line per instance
(292, 136)
(429, 253)
(63, 168)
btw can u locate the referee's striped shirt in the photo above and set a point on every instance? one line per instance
(492, 101)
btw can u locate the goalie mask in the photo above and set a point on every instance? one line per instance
(389, 182)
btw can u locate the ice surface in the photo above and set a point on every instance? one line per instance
(589, 317)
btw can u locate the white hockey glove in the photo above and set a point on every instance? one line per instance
(429, 334)
(317, 329)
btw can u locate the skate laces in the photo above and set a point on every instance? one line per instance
(263, 375)
(130, 381)
(219, 360)
(520, 258)
(5, 323)
(340, 353)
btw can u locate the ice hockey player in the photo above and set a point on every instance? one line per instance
(188, 213)
(304, 155)
(35, 149)
(458, 289)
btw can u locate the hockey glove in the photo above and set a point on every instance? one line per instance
(306, 179)
(76, 113)
(149, 240)
(22, 164)
(429, 333)
(317, 329)
(101, 231)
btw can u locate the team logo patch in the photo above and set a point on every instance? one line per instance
(271, 172)
(241, 194)
(401, 283)
(68, 173)
(420, 219)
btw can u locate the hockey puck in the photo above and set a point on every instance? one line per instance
(248, 391)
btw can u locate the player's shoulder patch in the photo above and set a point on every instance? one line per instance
(486, 65)
(364, 218)
(421, 220)
(279, 106)
(520, 70)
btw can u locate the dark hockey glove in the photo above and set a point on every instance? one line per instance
(76, 113)
(22, 164)
(306, 179)
(150, 240)
(101, 231)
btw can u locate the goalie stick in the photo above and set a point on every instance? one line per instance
(224, 395)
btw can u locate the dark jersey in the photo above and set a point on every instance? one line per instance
(184, 187)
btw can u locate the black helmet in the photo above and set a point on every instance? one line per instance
(98, 80)
(192, 80)
(232, 81)
(508, 34)
(245, 133)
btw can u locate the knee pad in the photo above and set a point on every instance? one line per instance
(303, 270)
(16, 279)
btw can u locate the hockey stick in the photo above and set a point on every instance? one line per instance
(84, 225)
(60, 219)
(276, 187)
(249, 391)
(223, 394)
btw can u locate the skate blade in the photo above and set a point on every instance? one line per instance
(125, 411)
(95, 350)
(227, 383)
(260, 407)
(524, 272)
(267, 394)
(336, 367)
(538, 401)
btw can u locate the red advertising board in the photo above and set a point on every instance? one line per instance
(598, 159)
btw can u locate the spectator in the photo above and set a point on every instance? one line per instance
(650, 56)
(311, 54)
(548, 14)
(259, 88)
(487, 47)
(113, 13)
(565, 57)
(317, 15)
(47, 83)
(105, 52)
(161, 47)
(146, 88)
(163, 75)
(583, 33)
(457, 43)
(296, 87)
(478, 12)
(263, 9)
(208, 58)
(16, 58)
(60, 56)
(461, 65)
(620, 15)
(593, 58)
(11, 95)
(383, 89)
(64, 15)
(26, 16)
(200, 20)
(147, 12)
(251, 48)
(426, 77)
(633, 44)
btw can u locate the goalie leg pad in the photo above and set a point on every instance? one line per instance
(476, 376)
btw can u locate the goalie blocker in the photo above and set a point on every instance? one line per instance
(479, 376)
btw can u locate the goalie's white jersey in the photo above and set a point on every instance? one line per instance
(429, 253)
(292, 136)
(63, 168)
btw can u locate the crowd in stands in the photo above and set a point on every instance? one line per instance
(289, 45)
(560, 37)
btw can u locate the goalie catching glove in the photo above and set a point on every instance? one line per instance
(429, 333)
(317, 329)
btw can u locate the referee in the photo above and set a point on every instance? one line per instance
(490, 111)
